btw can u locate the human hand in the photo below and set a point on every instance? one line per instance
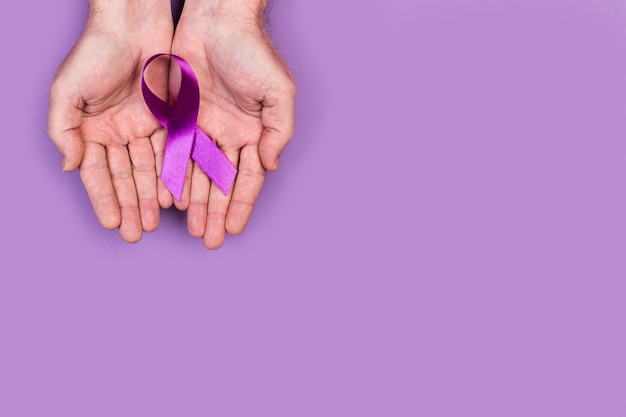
(247, 106)
(98, 119)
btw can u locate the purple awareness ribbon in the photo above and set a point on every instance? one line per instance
(185, 139)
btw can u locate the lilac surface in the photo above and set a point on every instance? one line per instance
(445, 236)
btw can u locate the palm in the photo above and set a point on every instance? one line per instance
(113, 108)
(237, 70)
(230, 90)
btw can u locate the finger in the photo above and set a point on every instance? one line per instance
(124, 185)
(94, 173)
(215, 232)
(144, 174)
(64, 119)
(183, 203)
(278, 116)
(158, 140)
(250, 178)
(198, 202)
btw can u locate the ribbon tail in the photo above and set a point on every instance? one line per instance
(175, 162)
(213, 162)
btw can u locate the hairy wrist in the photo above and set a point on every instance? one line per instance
(129, 13)
(238, 12)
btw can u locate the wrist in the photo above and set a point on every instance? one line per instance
(229, 12)
(130, 14)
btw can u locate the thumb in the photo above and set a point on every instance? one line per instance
(64, 120)
(278, 116)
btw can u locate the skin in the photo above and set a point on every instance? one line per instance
(101, 125)
(247, 107)
(98, 119)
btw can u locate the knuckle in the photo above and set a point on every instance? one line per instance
(253, 174)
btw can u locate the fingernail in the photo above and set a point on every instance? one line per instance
(65, 166)
(276, 164)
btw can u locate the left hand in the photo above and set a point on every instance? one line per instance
(247, 106)
(98, 119)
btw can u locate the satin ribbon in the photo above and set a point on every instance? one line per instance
(185, 139)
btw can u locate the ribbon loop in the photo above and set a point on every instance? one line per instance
(184, 138)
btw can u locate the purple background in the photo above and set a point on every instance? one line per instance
(445, 237)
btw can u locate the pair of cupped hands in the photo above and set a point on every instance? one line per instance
(101, 125)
